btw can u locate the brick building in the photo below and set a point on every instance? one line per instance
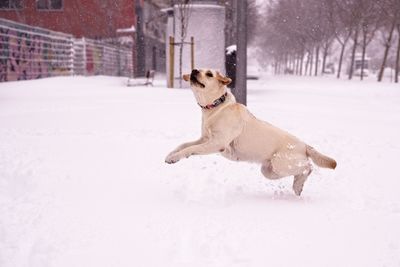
(97, 19)
(89, 18)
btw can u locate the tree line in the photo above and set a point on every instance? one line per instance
(299, 34)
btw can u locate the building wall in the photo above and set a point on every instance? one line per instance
(154, 29)
(206, 25)
(155, 55)
(88, 18)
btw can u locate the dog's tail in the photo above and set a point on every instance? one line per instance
(319, 159)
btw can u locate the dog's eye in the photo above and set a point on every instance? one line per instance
(209, 74)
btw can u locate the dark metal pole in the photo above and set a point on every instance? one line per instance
(140, 62)
(241, 63)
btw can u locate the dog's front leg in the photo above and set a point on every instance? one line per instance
(184, 145)
(207, 147)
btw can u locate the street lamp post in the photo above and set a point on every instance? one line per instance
(140, 62)
(241, 60)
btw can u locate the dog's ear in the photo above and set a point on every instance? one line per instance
(186, 77)
(224, 80)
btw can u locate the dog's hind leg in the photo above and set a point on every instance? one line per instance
(299, 180)
(287, 163)
(268, 171)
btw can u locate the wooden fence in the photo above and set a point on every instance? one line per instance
(93, 57)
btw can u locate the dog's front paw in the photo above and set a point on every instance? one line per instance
(172, 158)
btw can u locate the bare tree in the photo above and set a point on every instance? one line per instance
(184, 9)
(326, 46)
(328, 32)
(252, 20)
(353, 51)
(340, 19)
(397, 68)
(297, 33)
(397, 63)
(324, 32)
(355, 16)
(370, 22)
(390, 19)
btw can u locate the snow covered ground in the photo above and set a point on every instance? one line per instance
(83, 180)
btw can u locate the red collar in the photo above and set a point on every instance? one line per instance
(216, 103)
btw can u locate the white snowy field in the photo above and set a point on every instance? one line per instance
(83, 180)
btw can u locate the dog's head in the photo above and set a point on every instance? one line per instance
(206, 79)
(207, 85)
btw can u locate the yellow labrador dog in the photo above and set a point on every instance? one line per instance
(230, 129)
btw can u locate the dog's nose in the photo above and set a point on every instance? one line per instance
(193, 75)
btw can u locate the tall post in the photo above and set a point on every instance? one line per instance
(192, 52)
(171, 61)
(119, 71)
(140, 62)
(84, 56)
(397, 63)
(240, 90)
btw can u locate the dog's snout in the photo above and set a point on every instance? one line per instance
(193, 75)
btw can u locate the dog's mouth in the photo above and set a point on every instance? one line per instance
(193, 80)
